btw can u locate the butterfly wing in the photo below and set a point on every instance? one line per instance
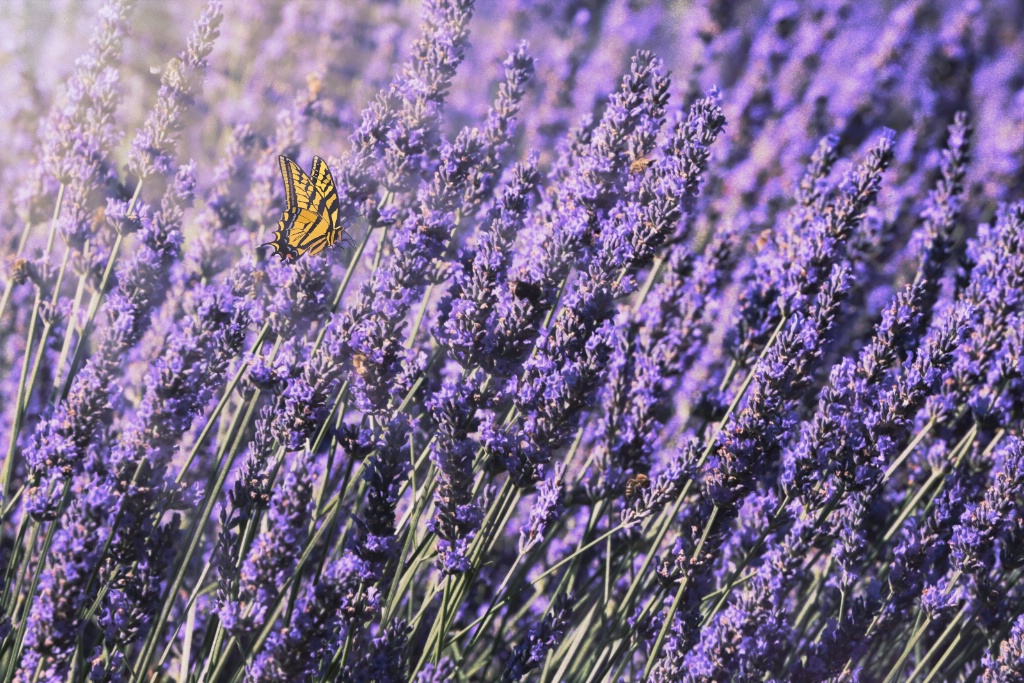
(325, 229)
(300, 195)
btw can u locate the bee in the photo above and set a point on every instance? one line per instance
(314, 84)
(763, 239)
(636, 484)
(20, 271)
(640, 164)
(359, 364)
(526, 290)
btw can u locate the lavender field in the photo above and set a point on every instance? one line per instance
(652, 340)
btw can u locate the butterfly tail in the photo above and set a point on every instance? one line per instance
(280, 242)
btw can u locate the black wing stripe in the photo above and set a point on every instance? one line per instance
(310, 234)
(289, 182)
(324, 182)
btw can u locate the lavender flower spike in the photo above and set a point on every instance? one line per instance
(153, 148)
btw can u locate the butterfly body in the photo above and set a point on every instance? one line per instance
(310, 221)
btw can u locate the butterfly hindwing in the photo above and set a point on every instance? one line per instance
(310, 219)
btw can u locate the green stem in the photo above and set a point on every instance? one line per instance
(19, 412)
(97, 298)
(23, 240)
(652, 658)
(19, 639)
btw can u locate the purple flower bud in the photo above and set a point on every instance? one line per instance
(546, 636)
(1008, 665)
(545, 510)
(297, 649)
(275, 550)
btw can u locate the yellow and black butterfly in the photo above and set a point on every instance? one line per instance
(310, 219)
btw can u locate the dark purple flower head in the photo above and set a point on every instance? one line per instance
(545, 636)
(55, 617)
(749, 444)
(297, 649)
(545, 511)
(376, 543)
(993, 521)
(786, 279)
(453, 452)
(275, 551)
(468, 317)
(1008, 665)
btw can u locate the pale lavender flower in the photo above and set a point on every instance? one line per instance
(61, 442)
(291, 130)
(233, 173)
(78, 134)
(153, 149)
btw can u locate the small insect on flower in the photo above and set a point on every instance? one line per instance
(310, 220)
(20, 271)
(314, 84)
(522, 289)
(640, 164)
(636, 484)
(359, 364)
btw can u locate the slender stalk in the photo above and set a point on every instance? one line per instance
(652, 658)
(19, 411)
(23, 240)
(97, 299)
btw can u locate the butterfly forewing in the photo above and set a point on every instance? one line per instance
(323, 182)
(298, 188)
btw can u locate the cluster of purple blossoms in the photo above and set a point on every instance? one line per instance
(660, 342)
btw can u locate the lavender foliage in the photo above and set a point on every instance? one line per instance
(665, 342)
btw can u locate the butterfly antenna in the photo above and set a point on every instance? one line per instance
(347, 242)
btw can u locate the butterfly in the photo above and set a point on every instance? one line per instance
(310, 219)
